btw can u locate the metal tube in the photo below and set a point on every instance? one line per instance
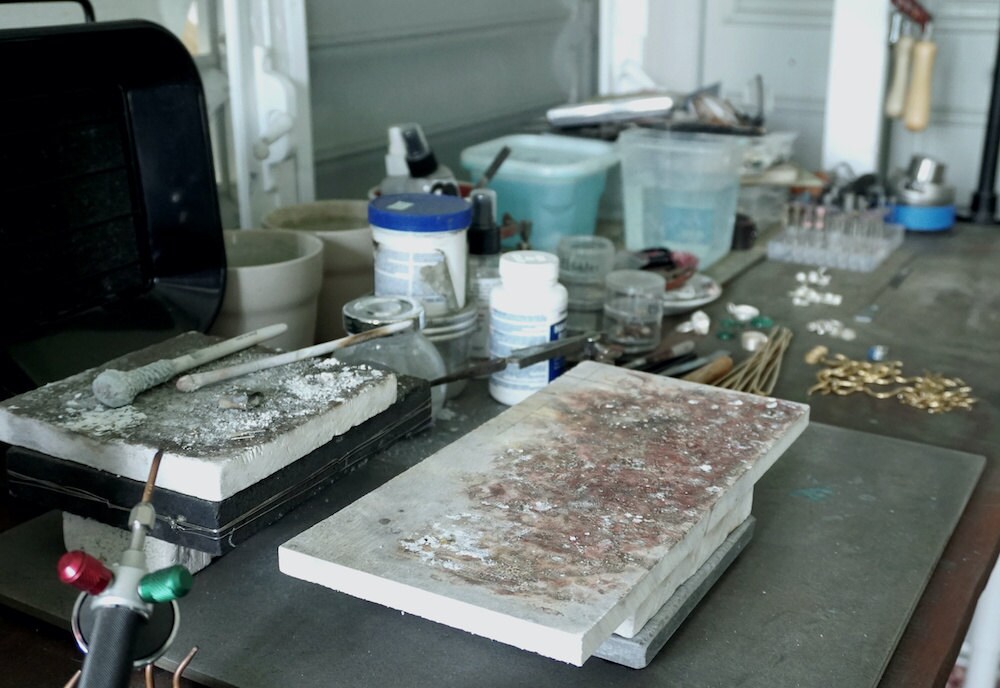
(984, 199)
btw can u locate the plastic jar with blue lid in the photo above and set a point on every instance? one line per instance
(421, 249)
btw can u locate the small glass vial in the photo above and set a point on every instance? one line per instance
(527, 309)
(633, 309)
(584, 262)
(408, 352)
(484, 266)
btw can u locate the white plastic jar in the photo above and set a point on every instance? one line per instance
(421, 249)
(527, 309)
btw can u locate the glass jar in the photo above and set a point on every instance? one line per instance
(633, 309)
(584, 262)
(408, 352)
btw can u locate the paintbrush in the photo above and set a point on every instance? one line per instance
(189, 383)
(494, 166)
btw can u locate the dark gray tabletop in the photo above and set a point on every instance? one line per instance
(850, 526)
(944, 316)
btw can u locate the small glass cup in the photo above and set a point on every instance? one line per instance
(633, 309)
(584, 262)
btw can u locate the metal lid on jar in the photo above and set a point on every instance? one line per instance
(456, 323)
(368, 312)
(635, 282)
(418, 212)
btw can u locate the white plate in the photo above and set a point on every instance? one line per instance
(697, 291)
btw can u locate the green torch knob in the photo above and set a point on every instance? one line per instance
(166, 584)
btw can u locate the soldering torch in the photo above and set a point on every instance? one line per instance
(126, 617)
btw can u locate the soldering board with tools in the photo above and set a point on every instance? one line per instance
(239, 454)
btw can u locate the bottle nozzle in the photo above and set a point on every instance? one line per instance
(484, 235)
(419, 157)
(395, 158)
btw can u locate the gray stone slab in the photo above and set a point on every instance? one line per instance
(849, 527)
(639, 651)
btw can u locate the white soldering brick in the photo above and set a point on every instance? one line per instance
(108, 542)
(209, 452)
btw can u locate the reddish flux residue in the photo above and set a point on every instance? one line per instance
(609, 484)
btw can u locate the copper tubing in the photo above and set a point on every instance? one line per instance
(176, 683)
(147, 493)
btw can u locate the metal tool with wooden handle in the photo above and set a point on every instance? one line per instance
(190, 383)
(711, 372)
(117, 388)
(895, 100)
(918, 96)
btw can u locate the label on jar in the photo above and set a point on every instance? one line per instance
(481, 289)
(423, 275)
(511, 331)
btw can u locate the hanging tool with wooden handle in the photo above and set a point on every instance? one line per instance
(902, 52)
(917, 105)
(918, 96)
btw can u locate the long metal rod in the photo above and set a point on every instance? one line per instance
(984, 199)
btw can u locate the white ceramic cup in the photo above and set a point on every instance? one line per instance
(348, 272)
(271, 277)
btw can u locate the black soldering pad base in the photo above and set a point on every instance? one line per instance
(210, 526)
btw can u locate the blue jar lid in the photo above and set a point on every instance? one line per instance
(416, 212)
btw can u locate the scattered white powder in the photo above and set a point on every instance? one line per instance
(102, 421)
(193, 423)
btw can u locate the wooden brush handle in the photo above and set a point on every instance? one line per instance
(918, 97)
(190, 383)
(895, 99)
(711, 372)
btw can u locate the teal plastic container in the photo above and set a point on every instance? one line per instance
(556, 182)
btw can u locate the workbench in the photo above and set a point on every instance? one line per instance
(849, 524)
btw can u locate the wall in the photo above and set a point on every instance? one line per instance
(696, 42)
(465, 71)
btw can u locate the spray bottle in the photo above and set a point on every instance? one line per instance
(420, 171)
(397, 178)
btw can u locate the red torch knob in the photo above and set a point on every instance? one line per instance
(84, 572)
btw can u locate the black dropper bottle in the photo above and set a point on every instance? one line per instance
(484, 264)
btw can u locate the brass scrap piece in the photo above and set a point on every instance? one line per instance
(930, 392)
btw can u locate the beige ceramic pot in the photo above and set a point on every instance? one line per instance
(271, 277)
(348, 270)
